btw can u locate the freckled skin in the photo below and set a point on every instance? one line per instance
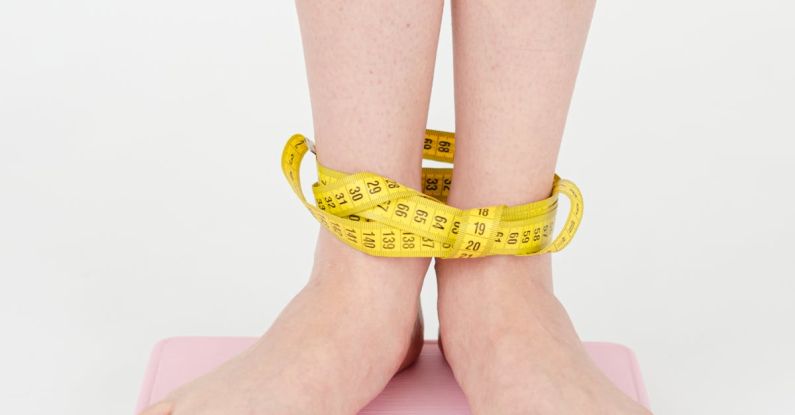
(341, 339)
(508, 340)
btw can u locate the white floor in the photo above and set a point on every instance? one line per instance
(141, 197)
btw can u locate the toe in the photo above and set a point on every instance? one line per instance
(162, 408)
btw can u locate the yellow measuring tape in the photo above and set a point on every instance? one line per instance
(382, 217)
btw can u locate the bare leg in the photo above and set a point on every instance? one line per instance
(337, 344)
(509, 341)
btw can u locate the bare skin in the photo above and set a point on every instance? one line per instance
(508, 340)
(332, 349)
(340, 340)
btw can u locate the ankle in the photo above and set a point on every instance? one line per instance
(494, 273)
(502, 298)
(336, 263)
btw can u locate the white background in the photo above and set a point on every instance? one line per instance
(141, 196)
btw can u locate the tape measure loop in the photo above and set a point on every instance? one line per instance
(382, 217)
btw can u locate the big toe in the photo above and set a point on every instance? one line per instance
(162, 408)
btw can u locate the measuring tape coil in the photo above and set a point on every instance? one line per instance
(379, 216)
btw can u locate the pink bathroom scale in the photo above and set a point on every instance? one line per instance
(425, 388)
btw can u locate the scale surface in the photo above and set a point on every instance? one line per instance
(425, 388)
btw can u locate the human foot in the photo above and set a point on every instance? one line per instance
(332, 349)
(511, 344)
